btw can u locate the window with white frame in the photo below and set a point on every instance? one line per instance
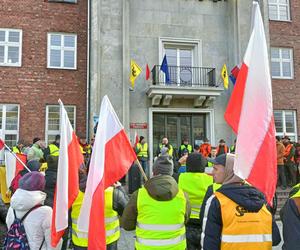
(53, 118)
(282, 63)
(62, 51)
(10, 47)
(279, 10)
(182, 56)
(285, 123)
(9, 123)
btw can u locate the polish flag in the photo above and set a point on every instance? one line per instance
(111, 159)
(136, 139)
(147, 72)
(250, 114)
(13, 166)
(67, 184)
(1, 144)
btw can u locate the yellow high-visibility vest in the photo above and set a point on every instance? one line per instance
(195, 185)
(297, 194)
(242, 229)
(54, 150)
(112, 225)
(16, 150)
(143, 150)
(160, 224)
(187, 147)
(170, 152)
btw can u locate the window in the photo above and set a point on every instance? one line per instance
(62, 51)
(9, 123)
(282, 63)
(279, 10)
(52, 120)
(10, 47)
(183, 56)
(285, 123)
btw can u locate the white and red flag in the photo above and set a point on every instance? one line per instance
(136, 139)
(69, 161)
(111, 158)
(13, 165)
(250, 114)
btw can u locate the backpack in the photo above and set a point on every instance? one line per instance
(16, 236)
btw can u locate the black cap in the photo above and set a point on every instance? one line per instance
(219, 160)
(36, 139)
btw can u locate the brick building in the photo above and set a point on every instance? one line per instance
(43, 57)
(284, 29)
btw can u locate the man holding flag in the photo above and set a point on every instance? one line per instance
(235, 224)
(111, 143)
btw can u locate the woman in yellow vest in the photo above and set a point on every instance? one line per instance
(194, 182)
(115, 201)
(290, 216)
(158, 211)
(236, 216)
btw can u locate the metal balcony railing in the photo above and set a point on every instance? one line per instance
(185, 76)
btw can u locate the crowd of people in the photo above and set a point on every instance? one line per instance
(180, 207)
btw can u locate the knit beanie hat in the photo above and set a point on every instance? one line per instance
(163, 165)
(196, 163)
(33, 181)
(34, 165)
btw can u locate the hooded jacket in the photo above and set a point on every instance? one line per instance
(160, 188)
(38, 222)
(244, 195)
(290, 216)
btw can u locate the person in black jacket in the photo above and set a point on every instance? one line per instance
(290, 216)
(245, 214)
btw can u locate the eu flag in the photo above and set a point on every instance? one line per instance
(164, 68)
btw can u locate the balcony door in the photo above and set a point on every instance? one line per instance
(180, 61)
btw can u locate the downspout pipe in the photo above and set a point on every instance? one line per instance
(88, 81)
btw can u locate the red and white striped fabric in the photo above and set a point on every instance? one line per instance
(13, 166)
(250, 114)
(111, 158)
(67, 185)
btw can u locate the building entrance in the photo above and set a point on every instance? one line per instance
(176, 127)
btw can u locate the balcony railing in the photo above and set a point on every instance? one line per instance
(185, 76)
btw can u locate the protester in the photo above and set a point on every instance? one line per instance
(290, 216)
(194, 182)
(52, 149)
(289, 161)
(142, 152)
(185, 146)
(222, 148)
(28, 200)
(158, 211)
(85, 147)
(165, 144)
(36, 150)
(182, 162)
(297, 159)
(236, 216)
(205, 148)
(232, 148)
(19, 147)
(280, 164)
(115, 201)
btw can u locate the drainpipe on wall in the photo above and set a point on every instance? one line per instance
(88, 82)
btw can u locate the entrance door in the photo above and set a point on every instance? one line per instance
(176, 127)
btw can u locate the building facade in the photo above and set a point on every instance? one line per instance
(197, 38)
(285, 60)
(43, 58)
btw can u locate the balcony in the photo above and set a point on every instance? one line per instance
(198, 83)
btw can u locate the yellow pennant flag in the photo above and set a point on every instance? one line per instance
(135, 70)
(224, 75)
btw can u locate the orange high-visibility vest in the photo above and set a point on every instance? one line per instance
(205, 149)
(225, 149)
(242, 229)
(287, 151)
